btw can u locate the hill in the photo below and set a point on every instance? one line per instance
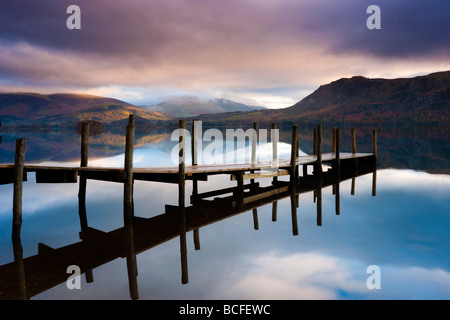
(33, 109)
(190, 106)
(423, 99)
(360, 100)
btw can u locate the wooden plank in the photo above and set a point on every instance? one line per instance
(214, 193)
(56, 176)
(116, 175)
(263, 195)
(263, 174)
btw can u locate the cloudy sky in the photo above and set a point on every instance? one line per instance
(272, 52)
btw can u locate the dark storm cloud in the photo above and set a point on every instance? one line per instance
(217, 43)
(408, 26)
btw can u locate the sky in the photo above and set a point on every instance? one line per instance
(271, 53)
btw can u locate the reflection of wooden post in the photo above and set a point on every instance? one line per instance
(18, 188)
(294, 215)
(19, 266)
(82, 188)
(131, 260)
(274, 210)
(319, 203)
(196, 239)
(181, 202)
(337, 198)
(240, 188)
(374, 183)
(255, 219)
(352, 192)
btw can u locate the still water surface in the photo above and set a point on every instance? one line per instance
(404, 229)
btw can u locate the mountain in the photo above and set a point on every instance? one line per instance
(34, 108)
(423, 98)
(360, 100)
(189, 106)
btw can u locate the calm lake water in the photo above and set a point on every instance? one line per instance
(403, 229)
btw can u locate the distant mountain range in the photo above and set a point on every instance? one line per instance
(189, 106)
(61, 109)
(33, 108)
(356, 100)
(360, 100)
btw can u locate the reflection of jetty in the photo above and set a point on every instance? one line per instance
(26, 277)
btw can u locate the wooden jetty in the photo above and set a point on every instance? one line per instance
(27, 277)
(205, 207)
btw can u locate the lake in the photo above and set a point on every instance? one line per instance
(401, 228)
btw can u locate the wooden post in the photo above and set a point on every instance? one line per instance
(84, 144)
(181, 201)
(128, 166)
(319, 175)
(17, 217)
(194, 153)
(128, 207)
(274, 138)
(353, 141)
(319, 149)
(254, 145)
(194, 143)
(254, 141)
(315, 142)
(374, 142)
(294, 155)
(338, 152)
(82, 188)
(333, 145)
(19, 164)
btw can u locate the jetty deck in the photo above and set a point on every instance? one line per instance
(63, 174)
